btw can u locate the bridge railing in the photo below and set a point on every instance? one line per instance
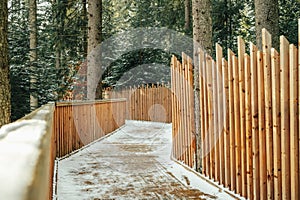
(145, 102)
(29, 146)
(26, 156)
(79, 123)
(249, 116)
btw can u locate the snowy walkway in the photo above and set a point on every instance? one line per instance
(132, 163)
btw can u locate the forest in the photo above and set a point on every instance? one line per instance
(47, 41)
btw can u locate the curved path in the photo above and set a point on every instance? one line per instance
(132, 163)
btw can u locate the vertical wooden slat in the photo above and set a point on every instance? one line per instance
(177, 111)
(267, 44)
(237, 127)
(241, 52)
(299, 94)
(202, 110)
(285, 119)
(255, 127)
(210, 115)
(220, 104)
(227, 163)
(185, 130)
(231, 121)
(182, 107)
(215, 122)
(206, 144)
(294, 129)
(191, 112)
(248, 124)
(173, 61)
(180, 102)
(276, 122)
(261, 124)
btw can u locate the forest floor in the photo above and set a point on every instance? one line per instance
(132, 163)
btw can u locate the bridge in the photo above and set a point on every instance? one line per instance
(247, 145)
(88, 150)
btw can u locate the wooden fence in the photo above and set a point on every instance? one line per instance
(78, 124)
(183, 144)
(146, 102)
(249, 113)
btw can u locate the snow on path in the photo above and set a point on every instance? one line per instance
(133, 163)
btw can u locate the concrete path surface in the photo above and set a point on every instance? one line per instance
(132, 163)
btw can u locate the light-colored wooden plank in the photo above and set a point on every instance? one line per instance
(220, 104)
(294, 129)
(206, 144)
(237, 125)
(285, 118)
(215, 123)
(180, 104)
(299, 91)
(267, 44)
(191, 112)
(202, 110)
(173, 61)
(210, 116)
(185, 127)
(231, 121)
(248, 126)
(241, 68)
(299, 94)
(261, 123)
(226, 131)
(276, 122)
(186, 135)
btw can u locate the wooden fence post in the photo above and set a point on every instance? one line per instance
(276, 122)
(267, 44)
(285, 119)
(294, 129)
(248, 124)
(231, 121)
(241, 67)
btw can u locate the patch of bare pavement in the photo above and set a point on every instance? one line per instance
(132, 163)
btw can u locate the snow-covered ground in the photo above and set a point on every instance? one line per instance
(132, 163)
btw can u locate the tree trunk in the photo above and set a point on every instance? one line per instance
(84, 31)
(187, 6)
(33, 53)
(267, 16)
(202, 34)
(94, 39)
(202, 27)
(4, 67)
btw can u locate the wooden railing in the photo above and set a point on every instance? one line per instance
(26, 156)
(183, 111)
(29, 147)
(146, 102)
(249, 111)
(79, 123)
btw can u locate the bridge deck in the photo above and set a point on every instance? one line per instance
(132, 163)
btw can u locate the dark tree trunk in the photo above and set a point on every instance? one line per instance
(202, 34)
(4, 67)
(267, 16)
(187, 24)
(33, 53)
(94, 86)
